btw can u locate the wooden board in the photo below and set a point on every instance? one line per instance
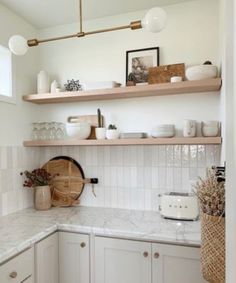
(69, 185)
(91, 119)
(162, 74)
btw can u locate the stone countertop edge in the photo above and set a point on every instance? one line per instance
(28, 227)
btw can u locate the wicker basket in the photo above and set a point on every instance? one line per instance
(213, 248)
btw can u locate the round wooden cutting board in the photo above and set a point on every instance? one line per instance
(68, 184)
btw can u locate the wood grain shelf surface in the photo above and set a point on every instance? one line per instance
(124, 142)
(208, 85)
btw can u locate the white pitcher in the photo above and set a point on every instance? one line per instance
(190, 128)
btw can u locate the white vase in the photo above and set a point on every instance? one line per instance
(54, 86)
(42, 198)
(43, 82)
(100, 133)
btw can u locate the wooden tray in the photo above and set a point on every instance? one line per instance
(68, 186)
(162, 74)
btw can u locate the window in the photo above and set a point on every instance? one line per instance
(6, 93)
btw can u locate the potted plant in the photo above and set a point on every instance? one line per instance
(211, 195)
(39, 179)
(112, 133)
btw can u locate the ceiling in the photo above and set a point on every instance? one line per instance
(48, 13)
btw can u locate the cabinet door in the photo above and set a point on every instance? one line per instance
(74, 265)
(122, 261)
(46, 260)
(176, 264)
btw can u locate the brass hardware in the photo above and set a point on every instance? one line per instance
(145, 254)
(133, 26)
(32, 42)
(136, 25)
(13, 274)
(83, 245)
(156, 255)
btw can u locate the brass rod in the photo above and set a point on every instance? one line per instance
(106, 30)
(132, 25)
(81, 15)
(61, 37)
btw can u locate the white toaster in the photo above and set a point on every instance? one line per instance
(183, 206)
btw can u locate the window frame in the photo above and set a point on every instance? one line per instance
(4, 98)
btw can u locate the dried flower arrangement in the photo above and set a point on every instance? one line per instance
(211, 194)
(38, 177)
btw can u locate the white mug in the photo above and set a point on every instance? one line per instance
(190, 128)
(100, 133)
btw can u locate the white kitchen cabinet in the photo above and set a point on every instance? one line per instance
(46, 260)
(122, 261)
(19, 269)
(176, 264)
(74, 254)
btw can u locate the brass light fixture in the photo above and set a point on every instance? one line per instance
(154, 21)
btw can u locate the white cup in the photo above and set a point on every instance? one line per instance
(100, 133)
(176, 79)
(190, 128)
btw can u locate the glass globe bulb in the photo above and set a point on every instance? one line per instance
(18, 45)
(155, 20)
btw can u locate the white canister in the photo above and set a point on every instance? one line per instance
(54, 86)
(42, 82)
(190, 128)
(100, 133)
(176, 79)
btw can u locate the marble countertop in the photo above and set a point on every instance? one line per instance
(21, 230)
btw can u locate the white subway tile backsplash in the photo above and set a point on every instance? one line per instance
(129, 176)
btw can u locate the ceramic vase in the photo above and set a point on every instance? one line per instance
(42, 198)
(43, 82)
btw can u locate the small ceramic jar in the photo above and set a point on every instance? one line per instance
(112, 134)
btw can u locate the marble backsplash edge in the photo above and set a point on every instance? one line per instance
(129, 176)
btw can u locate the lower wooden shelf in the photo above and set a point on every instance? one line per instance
(123, 142)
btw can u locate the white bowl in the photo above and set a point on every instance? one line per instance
(163, 131)
(80, 131)
(210, 131)
(201, 72)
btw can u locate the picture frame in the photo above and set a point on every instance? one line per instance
(139, 61)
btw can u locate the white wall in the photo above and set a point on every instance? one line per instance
(15, 118)
(191, 36)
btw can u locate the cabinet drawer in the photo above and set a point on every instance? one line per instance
(19, 268)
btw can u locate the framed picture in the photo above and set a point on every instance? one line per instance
(138, 61)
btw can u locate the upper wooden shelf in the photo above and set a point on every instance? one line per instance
(123, 142)
(127, 92)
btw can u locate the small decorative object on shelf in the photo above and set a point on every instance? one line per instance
(100, 131)
(39, 179)
(131, 80)
(43, 82)
(112, 133)
(54, 86)
(73, 85)
(211, 195)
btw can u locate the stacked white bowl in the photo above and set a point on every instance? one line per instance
(163, 131)
(210, 128)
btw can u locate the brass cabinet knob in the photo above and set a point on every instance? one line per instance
(145, 254)
(83, 245)
(156, 255)
(13, 274)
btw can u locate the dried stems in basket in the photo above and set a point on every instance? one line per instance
(211, 194)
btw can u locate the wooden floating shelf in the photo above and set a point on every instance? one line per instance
(124, 142)
(208, 85)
